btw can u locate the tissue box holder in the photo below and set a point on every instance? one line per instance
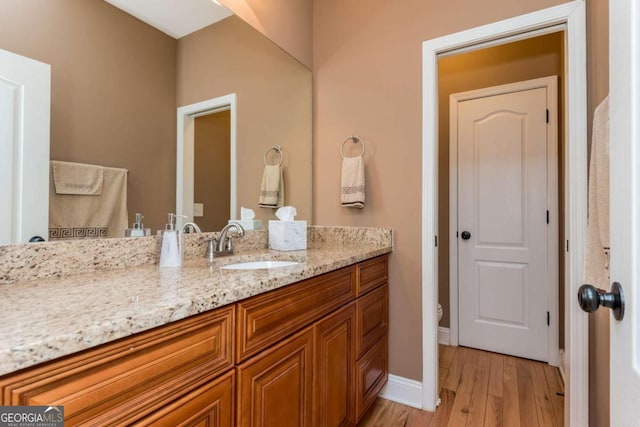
(288, 235)
(248, 224)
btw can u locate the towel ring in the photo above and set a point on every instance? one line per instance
(278, 150)
(355, 140)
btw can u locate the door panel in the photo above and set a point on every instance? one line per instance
(502, 202)
(625, 208)
(25, 87)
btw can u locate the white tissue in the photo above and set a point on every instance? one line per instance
(286, 213)
(246, 213)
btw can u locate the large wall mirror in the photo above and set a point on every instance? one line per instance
(117, 83)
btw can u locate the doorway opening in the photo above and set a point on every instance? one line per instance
(194, 163)
(503, 212)
(462, 80)
(570, 18)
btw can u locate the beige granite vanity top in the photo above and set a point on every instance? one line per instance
(51, 317)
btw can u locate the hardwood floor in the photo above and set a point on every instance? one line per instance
(478, 388)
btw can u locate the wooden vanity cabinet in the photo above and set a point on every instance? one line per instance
(343, 316)
(127, 380)
(313, 353)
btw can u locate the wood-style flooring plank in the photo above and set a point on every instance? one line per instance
(460, 408)
(493, 415)
(544, 407)
(496, 378)
(441, 416)
(446, 353)
(478, 403)
(556, 392)
(510, 404)
(526, 396)
(455, 370)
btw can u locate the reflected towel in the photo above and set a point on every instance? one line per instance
(77, 178)
(596, 266)
(272, 187)
(352, 185)
(74, 216)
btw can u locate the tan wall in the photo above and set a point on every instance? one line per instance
(273, 100)
(288, 23)
(524, 60)
(598, 81)
(113, 91)
(367, 81)
(211, 170)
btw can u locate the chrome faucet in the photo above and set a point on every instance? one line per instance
(188, 226)
(222, 246)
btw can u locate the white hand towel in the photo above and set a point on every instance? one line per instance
(596, 266)
(352, 186)
(272, 188)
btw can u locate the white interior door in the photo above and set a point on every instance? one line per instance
(624, 146)
(503, 221)
(25, 87)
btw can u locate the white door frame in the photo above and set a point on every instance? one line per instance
(551, 84)
(185, 153)
(572, 15)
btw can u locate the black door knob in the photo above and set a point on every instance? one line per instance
(591, 298)
(465, 235)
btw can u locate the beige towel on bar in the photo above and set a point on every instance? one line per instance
(77, 178)
(352, 185)
(73, 216)
(272, 187)
(596, 265)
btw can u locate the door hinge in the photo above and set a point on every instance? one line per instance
(436, 241)
(548, 319)
(547, 217)
(547, 115)
(567, 246)
(456, 234)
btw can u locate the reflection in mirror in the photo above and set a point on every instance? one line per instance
(116, 83)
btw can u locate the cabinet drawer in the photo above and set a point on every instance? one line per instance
(121, 381)
(265, 319)
(371, 376)
(372, 274)
(372, 318)
(209, 405)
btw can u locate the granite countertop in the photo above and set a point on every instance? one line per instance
(49, 318)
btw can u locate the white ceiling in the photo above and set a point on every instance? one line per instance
(176, 18)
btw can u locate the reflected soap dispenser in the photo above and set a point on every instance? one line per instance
(171, 250)
(138, 229)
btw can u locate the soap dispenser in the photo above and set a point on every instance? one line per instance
(171, 251)
(138, 229)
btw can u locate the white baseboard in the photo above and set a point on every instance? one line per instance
(403, 390)
(443, 336)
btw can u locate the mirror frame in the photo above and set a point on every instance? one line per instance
(185, 153)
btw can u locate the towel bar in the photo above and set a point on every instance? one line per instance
(278, 150)
(355, 140)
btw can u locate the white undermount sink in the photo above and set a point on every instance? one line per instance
(256, 265)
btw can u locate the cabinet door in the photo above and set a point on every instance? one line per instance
(334, 400)
(275, 388)
(208, 406)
